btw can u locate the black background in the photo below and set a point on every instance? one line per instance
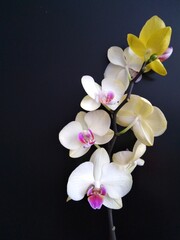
(45, 49)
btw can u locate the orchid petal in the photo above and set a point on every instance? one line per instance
(98, 121)
(125, 118)
(133, 165)
(136, 45)
(79, 181)
(143, 107)
(112, 71)
(116, 87)
(113, 106)
(143, 132)
(133, 61)
(89, 85)
(116, 56)
(112, 203)
(159, 41)
(140, 162)
(105, 138)
(68, 136)
(78, 152)
(138, 105)
(122, 157)
(151, 26)
(89, 104)
(117, 182)
(157, 121)
(123, 77)
(138, 150)
(80, 118)
(96, 201)
(99, 158)
(157, 67)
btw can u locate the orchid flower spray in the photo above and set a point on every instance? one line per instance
(109, 110)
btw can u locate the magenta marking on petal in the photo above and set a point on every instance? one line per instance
(81, 137)
(106, 98)
(95, 201)
(96, 196)
(86, 137)
(109, 97)
(90, 190)
(103, 190)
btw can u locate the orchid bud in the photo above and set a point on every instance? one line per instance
(166, 54)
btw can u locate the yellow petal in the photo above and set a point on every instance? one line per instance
(136, 45)
(138, 106)
(144, 107)
(159, 41)
(157, 67)
(151, 26)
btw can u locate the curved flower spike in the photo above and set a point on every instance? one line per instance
(153, 41)
(103, 182)
(108, 94)
(129, 160)
(87, 129)
(145, 120)
(124, 64)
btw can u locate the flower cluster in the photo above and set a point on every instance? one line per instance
(110, 110)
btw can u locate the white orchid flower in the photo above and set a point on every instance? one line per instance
(103, 182)
(109, 93)
(122, 63)
(87, 129)
(145, 120)
(130, 159)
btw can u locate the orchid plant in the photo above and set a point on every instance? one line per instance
(109, 107)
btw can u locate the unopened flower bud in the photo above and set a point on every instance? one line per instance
(166, 54)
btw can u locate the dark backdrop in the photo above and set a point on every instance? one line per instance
(45, 49)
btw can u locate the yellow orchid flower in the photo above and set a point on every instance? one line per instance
(153, 41)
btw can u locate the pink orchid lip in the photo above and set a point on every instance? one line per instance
(96, 196)
(106, 98)
(86, 138)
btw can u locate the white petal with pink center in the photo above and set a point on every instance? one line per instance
(103, 182)
(79, 135)
(109, 93)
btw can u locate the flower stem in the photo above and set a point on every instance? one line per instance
(113, 140)
(111, 225)
(96, 145)
(127, 128)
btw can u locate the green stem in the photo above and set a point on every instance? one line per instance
(127, 128)
(97, 146)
